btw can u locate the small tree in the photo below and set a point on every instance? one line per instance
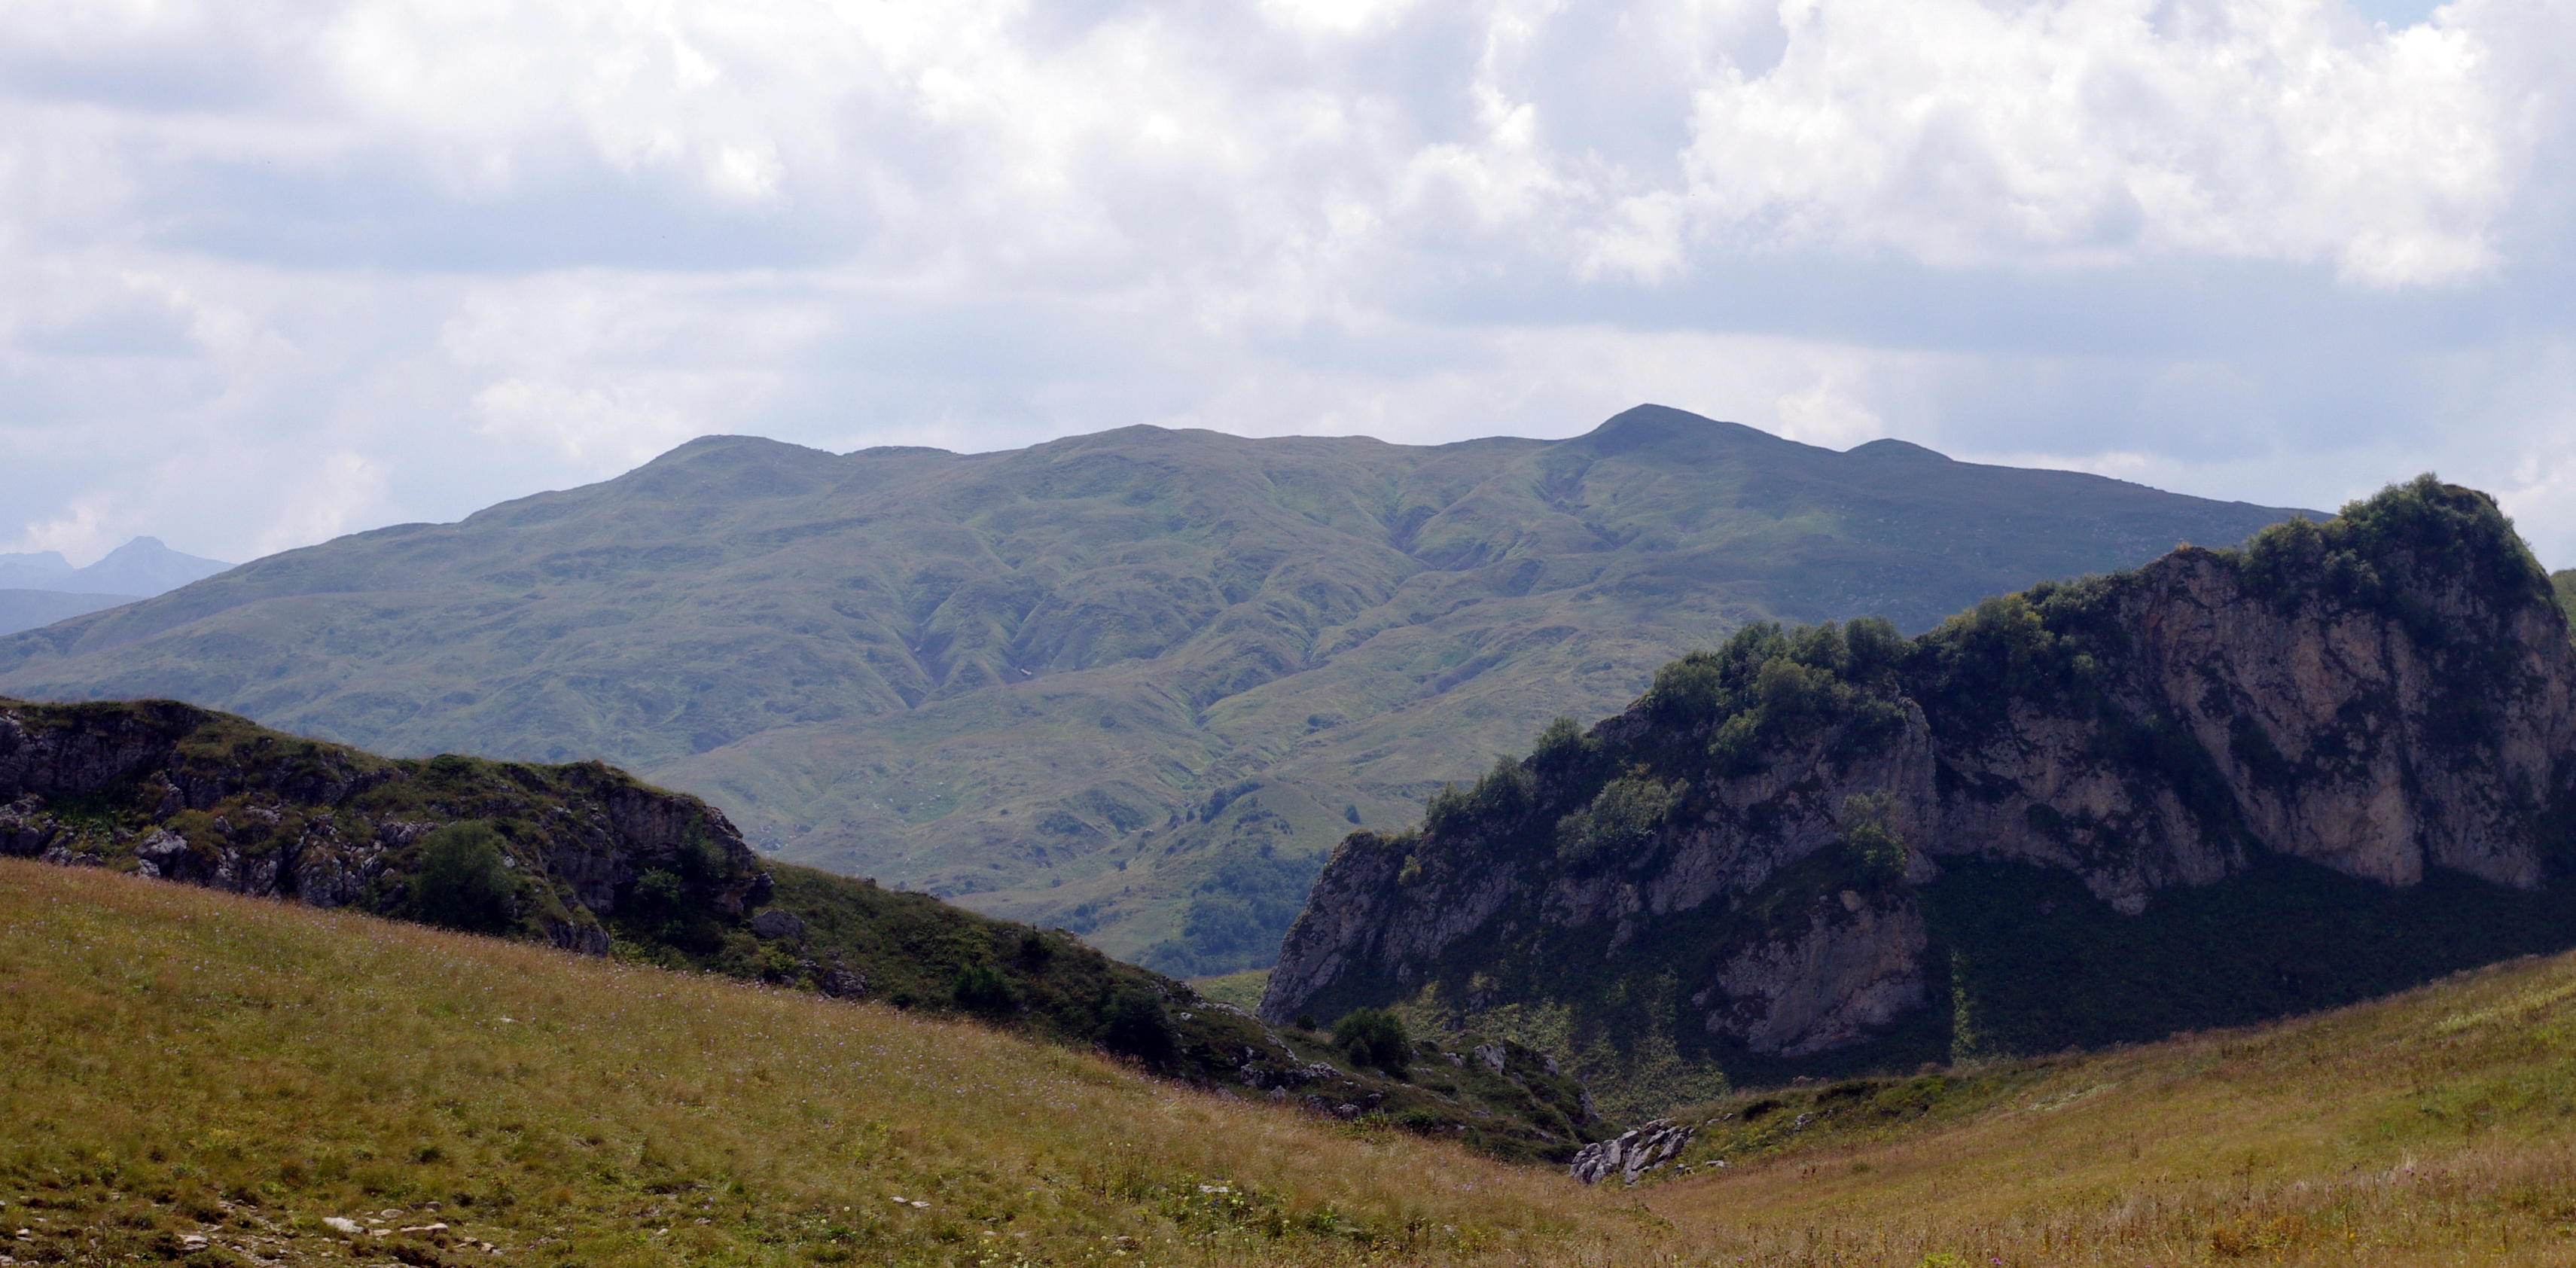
(1374, 1036)
(462, 882)
(1869, 834)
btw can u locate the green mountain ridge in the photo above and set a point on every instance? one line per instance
(1132, 684)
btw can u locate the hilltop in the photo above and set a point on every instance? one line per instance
(1132, 684)
(2226, 786)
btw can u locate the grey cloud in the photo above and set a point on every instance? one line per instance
(364, 263)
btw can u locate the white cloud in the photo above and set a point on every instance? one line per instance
(2266, 248)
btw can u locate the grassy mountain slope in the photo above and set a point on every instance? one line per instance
(185, 1063)
(179, 1062)
(2437, 1126)
(582, 856)
(1048, 681)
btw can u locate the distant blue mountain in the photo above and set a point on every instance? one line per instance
(41, 588)
(140, 568)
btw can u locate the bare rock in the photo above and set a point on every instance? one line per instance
(1631, 1154)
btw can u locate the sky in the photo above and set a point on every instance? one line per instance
(275, 271)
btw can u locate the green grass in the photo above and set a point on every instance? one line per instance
(2437, 1126)
(1018, 678)
(1243, 990)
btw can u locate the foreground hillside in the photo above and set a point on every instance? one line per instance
(2227, 786)
(1132, 684)
(586, 858)
(179, 1063)
(184, 1064)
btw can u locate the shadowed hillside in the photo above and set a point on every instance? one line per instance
(1132, 684)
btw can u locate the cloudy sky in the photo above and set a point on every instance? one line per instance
(273, 270)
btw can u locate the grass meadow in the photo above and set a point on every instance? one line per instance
(180, 1064)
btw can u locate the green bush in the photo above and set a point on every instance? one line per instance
(2406, 537)
(981, 988)
(462, 882)
(1767, 685)
(1622, 820)
(1562, 746)
(1374, 1036)
(1869, 835)
(1135, 1022)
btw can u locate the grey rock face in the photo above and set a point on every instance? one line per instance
(1855, 968)
(1632, 1154)
(773, 924)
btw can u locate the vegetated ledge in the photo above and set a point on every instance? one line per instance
(2226, 786)
(587, 858)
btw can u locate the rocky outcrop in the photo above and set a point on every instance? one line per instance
(2388, 696)
(184, 794)
(1631, 1154)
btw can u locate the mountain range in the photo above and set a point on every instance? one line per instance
(1133, 684)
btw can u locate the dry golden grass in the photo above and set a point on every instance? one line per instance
(177, 1062)
(180, 1062)
(2438, 1126)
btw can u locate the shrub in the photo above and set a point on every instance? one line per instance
(981, 988)
(1135, 1022)
(1767, 685)
(1562, 745)
(1869, 835)
(462, 882)
(1374, 1036)
(2408, 536)
(1622, 820)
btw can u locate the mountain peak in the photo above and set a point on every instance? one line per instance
(1890, 449)
(1665, 429)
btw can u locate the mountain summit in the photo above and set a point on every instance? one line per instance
(1135, 683)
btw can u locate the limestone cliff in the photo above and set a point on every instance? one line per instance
(1791, 846)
